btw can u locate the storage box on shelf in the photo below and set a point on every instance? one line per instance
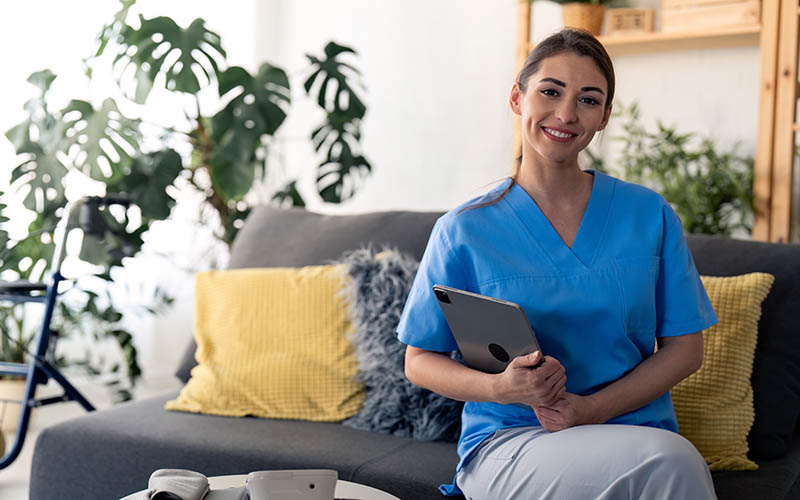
(626, 22)
(689, 15)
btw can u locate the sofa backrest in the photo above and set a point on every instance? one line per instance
(279, 237)
(273, 237)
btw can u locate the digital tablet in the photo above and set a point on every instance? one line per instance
(489, 332)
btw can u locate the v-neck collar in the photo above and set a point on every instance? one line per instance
(588, 238)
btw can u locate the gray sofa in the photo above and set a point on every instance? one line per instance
(111, 453)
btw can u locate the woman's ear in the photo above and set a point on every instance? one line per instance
(514, 99)
(606, 117)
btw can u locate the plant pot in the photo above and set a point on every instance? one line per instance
(584, 16)
(11, 393)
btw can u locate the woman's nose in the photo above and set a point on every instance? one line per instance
(567, 111)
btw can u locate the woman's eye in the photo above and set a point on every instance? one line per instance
(589, 100)
(549, 92)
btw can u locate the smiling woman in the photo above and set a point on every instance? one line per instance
(557, 241)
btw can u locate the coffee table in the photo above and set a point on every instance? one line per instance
(344, 489)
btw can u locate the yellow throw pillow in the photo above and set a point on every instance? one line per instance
(273, 343)
(714, 405)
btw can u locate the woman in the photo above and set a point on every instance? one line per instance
(603, 272)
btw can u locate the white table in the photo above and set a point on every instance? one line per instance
(344, 489)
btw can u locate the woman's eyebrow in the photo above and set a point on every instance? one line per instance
(553, 80)
(562, 84)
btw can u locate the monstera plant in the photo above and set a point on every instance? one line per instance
(229, 146)
(222, 157)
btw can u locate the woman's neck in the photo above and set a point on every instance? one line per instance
(555, 185)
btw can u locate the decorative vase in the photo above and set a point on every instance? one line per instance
(584, 16)
(11, 393)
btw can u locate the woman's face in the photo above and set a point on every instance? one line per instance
(562, 107)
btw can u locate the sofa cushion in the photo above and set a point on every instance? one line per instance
(714, 405)
(111, 453)
(776, 377)
(777, 479)
(274, 237)
(378, 289)
(273, 342)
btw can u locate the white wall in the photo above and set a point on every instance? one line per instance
(438, 75)
(437, 129)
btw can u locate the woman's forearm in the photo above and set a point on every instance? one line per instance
(439, 373)
(525, 380)
(676, 359)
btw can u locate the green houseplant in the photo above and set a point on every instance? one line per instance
(227, 155)
(710, 190)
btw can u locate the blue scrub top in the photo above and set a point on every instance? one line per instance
(596, 307)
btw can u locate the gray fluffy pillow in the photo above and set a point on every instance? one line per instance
(393, 405)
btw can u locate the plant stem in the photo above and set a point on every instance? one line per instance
(204, 145)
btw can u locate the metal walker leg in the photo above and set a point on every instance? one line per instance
(81, 214)
(38, 372)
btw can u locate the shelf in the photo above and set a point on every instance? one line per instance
(690, 40)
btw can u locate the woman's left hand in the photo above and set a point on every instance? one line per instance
(569, 411)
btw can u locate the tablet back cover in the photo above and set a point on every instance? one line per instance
(489, 332)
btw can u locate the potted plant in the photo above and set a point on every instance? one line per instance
(710, 189)
(228, 148)
(587, 15)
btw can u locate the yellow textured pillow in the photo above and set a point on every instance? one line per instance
(714, 405)
(274, 343)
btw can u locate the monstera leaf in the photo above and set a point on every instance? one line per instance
(112, 29)
(331, 71)
(36, 252)
(289, 196)
(257, 107)
(3, 232)
(42, 171)
(46, 125)
(343, 168)
(100, 141)
(339, 175)
(39, 122)
(146, 181)
(187, 58)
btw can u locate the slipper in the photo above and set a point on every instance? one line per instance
(176, 484)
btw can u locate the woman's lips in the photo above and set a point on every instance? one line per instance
(559, 135)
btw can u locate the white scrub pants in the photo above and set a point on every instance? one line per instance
(608, 462)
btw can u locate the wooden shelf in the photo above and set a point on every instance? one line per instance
(686, 40)
(690, 40)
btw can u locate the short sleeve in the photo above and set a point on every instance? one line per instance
(422, 323)
(682, 306)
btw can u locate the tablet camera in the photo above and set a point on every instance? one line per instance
(499, 353)
(442, 296)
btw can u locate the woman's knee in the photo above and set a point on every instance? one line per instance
(676, 449)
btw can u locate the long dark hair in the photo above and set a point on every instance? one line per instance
(572, 40)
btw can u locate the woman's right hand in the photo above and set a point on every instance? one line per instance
(522, 383)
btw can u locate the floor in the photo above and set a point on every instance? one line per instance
(14, 478)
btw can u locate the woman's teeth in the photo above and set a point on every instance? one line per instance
(562, 135)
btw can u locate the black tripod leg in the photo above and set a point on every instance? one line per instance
(69, 390)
